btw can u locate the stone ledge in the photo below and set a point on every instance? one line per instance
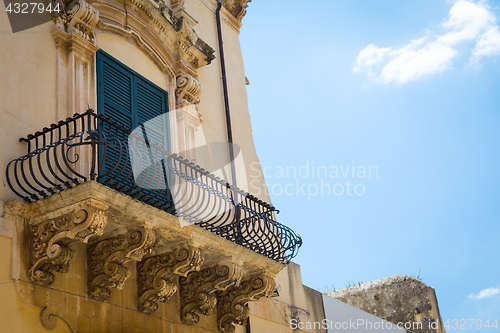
(125, 213)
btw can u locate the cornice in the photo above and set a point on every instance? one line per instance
(157, 30)
(226, 16)
(237, 8)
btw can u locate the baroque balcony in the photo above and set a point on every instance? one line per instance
(104, 203)
(92, 148)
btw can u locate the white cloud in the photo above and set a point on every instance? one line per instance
(413, 64)
(484, 293)
(488, 44)
(467, 21)
(370, 56)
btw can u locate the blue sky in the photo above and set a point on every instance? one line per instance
(410, 87)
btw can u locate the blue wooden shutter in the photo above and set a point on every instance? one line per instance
(150, 105)
(130, 100)
(115, 90)
(115, 100)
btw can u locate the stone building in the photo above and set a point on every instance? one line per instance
(126, 200)
(402, 300)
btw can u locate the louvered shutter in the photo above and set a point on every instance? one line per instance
(115, 85)
(151, 103)
(130, 100)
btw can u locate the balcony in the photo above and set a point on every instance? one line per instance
(92, 148)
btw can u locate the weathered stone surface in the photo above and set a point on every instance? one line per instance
(397, 299)
(107, 259)
(51, 236)
(236, 7)
(158, 275)
(198, 290)
(231, 303)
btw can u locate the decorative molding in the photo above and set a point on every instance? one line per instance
(108, 257)
(188, 90)
(73, 33)
(51, 238)
(78, 17)
(156, 275)
(176, 32)
(192, 48)
(178, 3)
(197, 290)
(180, 11)
(167, 39)
(231, 303)
(226, 16)
(157, 52)
(237, 8)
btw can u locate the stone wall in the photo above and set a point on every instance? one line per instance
(397, 299)
(295, 302)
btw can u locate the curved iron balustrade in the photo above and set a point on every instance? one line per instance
(61, 157)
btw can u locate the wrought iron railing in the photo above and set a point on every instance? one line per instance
(92, 147)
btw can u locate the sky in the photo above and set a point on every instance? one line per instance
(408, 90)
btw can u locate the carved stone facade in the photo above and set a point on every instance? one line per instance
(197, 290)
(108, 257)
(231, 303)
(74, 35)
(168, 39)
(78, 17)
(238, 8)
(116, 265)
(52, 236)
(104, 237)
(188, 90)
(157, 275)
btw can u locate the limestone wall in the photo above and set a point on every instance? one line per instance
(296, 303)
(397, 299)
(48, 74)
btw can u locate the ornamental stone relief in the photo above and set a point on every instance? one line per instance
(231, 303)
(108, 257)
(52, 236)
(197, 290)
(157, 275)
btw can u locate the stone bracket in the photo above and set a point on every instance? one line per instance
(156, 275)
(79, 17)
(231, 303)
(107, 259)
(51, 237)
(198, 290)
(188, 90)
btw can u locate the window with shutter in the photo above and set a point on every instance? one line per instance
(132, 101)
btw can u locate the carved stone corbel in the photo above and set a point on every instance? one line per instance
(231, 303)
(236, 7)
(197, 290)
(107, 260)
(51, 238)
(188, 90)
(157, 274)
(79, 17)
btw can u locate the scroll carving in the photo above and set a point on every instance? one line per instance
(197, 290)
(108, 257)
(188, 90)
(51, 238)
(231, 303)
(79, 17)
(157, 275)
(236, 7)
